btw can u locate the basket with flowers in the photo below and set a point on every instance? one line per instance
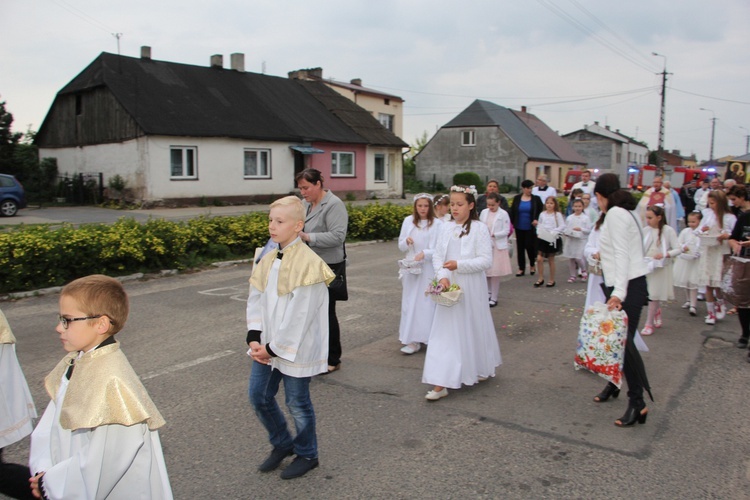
(444, 296)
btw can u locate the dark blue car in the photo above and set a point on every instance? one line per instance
(12, 196)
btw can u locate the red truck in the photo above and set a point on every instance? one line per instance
(642, 178)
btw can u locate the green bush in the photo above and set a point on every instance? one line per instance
(33, 257)
(469, 179)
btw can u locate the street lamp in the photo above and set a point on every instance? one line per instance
(747, 140)
(663, 107)
(713, 130)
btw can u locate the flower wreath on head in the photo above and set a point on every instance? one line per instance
(440, 198)
(426, 196)
(466, 190)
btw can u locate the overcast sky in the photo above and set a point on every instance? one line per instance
(571, 62)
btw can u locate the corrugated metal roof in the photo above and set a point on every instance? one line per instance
(167, 98)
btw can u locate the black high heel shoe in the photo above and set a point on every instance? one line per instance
(609, 390)
(634, 413)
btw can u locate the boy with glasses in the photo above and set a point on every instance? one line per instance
(98, 437)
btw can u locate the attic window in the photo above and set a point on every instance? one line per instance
(79, 105)
(468, 138)
(387, 102)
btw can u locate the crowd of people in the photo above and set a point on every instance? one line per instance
(455, 257)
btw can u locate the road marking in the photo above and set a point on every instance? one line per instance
(186, 364)
(238, 293)
(351, 317)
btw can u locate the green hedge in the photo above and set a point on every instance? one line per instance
(33, 257)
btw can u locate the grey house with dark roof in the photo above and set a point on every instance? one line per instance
(183, 132)
(496, 142)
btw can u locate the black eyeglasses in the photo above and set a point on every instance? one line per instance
(65, 322)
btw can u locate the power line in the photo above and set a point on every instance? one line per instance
(82, 15)
(612, 32)
(583, 28)
(708, 96)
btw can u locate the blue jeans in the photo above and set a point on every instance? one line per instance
(264, 384)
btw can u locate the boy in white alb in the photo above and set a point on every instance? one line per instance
(97, 438)
(287, 323)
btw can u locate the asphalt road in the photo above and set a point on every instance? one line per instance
(531, 432)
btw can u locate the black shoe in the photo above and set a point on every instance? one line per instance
(274, 459)
(609, 390)
(741, 343)
(299, 467)
(634, 413)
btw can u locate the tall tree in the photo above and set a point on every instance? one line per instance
(8, 142)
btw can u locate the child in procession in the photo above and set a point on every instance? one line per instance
(442, 204)
(17, 414)
(686, 265)
(577, 229)
(661, 247)
(498, 222)
(715, 229)
(287, 332)
(418, 236)
(552, 222)
(98, 437)
(463, 347)
(589, 209)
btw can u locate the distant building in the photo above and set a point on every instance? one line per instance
(183, 133)
(496, 142)
(607, 150)
(676, 159)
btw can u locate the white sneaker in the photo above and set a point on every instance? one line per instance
(693, 312)
(701, 297)
(686, 305)
(434, 396)
(720, 310)
(710, 319)
(411, 348)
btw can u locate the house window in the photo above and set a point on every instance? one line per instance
(183, 162)
(257, 163)
(386, 121)
(380, 168)
(387, 102)
(468, 138)
(342, 164)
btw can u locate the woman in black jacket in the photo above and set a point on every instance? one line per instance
(524, 214)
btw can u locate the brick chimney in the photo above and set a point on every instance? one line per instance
(306, 74)
(356, 81)
(217, 61)
(523, 109)
(146, 52)
(237, 61)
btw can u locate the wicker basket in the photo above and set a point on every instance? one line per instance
(447, 299)
(709, 240)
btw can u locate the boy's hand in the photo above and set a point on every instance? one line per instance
(259, 353)
(34, 485)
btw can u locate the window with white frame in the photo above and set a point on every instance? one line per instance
(386, 120)
(380, 170)
(468, 138)
(183, 162)
(257, 163)
(342, 164)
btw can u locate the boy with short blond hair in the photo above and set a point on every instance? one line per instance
(287, 323)
(97, 438)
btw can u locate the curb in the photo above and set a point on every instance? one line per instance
(142, 276)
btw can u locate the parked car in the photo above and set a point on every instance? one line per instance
(12, 196)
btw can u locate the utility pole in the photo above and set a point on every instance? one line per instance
(713, 131)
(660, 154)
(117, 36)
(747, 140)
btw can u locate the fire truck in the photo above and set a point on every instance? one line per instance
(641, 178)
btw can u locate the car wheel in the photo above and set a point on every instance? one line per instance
(8, 208)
